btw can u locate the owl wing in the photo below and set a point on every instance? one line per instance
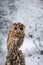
(9, 39)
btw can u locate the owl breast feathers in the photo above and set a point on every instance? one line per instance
(16, 36)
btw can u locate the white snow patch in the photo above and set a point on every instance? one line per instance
(28, 45)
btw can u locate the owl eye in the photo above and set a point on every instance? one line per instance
(15, 28)
(21, 28)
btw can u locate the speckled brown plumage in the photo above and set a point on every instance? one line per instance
(14, 42)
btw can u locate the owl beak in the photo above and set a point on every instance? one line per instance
(18, 31)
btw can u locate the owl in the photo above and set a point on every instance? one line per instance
(14, 42)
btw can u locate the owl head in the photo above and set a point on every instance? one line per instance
(18, 30)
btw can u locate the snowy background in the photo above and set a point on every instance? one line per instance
(30, 13)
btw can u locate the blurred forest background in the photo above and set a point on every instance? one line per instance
(30, 13)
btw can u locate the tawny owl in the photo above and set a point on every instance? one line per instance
(14, 42)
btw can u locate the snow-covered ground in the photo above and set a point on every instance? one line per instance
(30, 13)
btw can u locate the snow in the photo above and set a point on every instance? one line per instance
(27, 45)
(30, 13)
